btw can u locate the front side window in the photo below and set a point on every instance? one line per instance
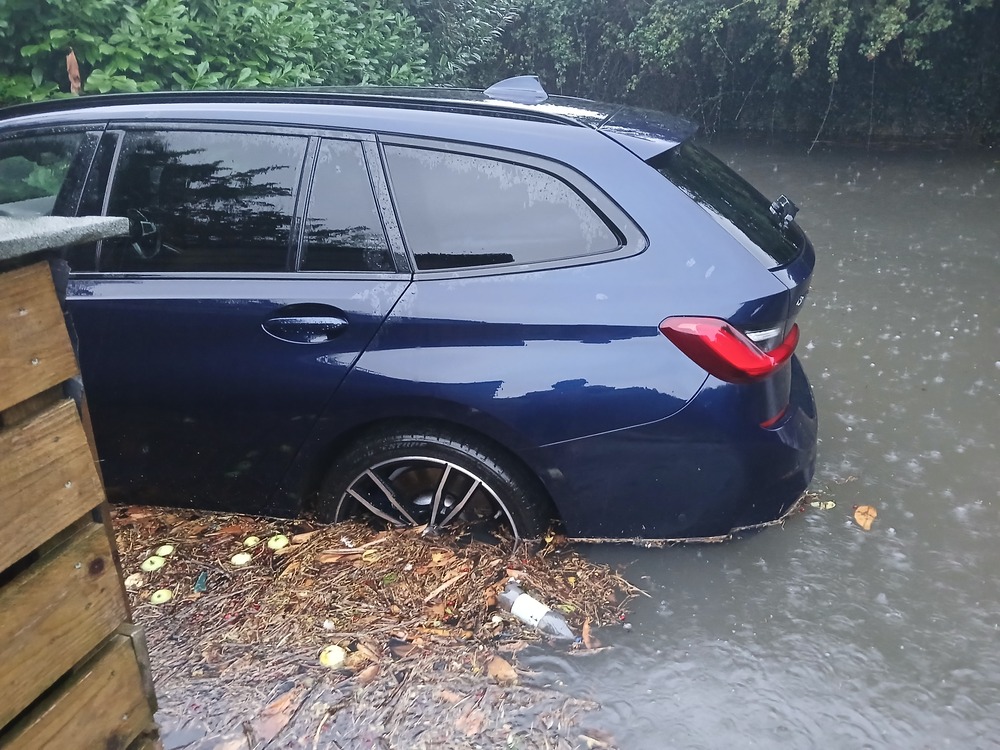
(343, 228)
(34, 171)
(212, 201)
(462, 211)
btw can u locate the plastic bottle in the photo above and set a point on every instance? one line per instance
(532, 612)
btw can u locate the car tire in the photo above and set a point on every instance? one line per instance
(395, 476)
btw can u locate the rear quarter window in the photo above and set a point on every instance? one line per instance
(464, 211)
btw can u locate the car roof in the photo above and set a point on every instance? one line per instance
(644, 132)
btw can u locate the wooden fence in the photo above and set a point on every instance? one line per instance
(73, 670)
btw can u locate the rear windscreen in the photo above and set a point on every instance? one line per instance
(732, 201)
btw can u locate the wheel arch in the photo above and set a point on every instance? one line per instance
(341, 443)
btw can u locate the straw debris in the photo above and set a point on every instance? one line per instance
(415, 615)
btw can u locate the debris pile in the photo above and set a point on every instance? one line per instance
(289, 622)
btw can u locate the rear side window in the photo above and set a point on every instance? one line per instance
(462, 211)
(732, 201)
(218, 201)
(34, 171)
(343, 228)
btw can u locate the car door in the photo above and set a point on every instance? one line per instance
(210, 344)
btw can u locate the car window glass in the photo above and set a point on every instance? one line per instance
(460, 211)
(33, 171)
(729, 199)
(343, 228)
(213, 201)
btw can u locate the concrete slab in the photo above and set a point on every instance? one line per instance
(20, 236)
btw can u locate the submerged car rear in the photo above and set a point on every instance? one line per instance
(753, 350)
(756, 343)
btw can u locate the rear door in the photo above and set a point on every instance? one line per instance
(210, 345)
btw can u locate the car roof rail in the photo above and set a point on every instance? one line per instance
(504, 99)
(519, 90)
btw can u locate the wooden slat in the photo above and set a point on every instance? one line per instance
(47, 480)
(138, 637)
(54, 614)
(25, 410)
(35, 351)
(101, 706)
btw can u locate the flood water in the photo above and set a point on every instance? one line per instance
(820, 634)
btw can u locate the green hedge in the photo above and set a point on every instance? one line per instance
(847, 67)
(143, 45)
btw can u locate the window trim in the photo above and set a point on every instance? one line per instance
(380, 194)
(632, 240)
(383, 199)
(126, 128)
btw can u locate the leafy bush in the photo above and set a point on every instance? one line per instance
(851, 66)
(461, 33)
(141, 45)
(892, 65)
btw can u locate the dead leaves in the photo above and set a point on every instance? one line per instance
(303, 537)
(439, 559)
(471, 721)
(234, 529)
(595, 739)
(406, 595)
(401, 649)
(73, 72)
(500, 670)
(450, 696)
(321, 589)
(864, 516)
(367, 675)
(276, 715)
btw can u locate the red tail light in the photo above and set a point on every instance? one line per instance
(724, 351)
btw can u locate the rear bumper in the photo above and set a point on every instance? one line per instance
(782, 465)
(703, 472)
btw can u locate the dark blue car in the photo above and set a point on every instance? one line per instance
(433, 307)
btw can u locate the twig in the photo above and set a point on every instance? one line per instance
(829, 104)
(446, 584)
(871, 107)
(354, 550)
(326, 717)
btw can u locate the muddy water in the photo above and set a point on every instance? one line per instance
(819, 634)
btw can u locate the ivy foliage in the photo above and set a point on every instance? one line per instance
(784, 64)
(891, 66)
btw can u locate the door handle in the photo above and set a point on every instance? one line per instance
(306, 326)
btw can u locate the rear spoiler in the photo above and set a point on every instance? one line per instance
(646, 132)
